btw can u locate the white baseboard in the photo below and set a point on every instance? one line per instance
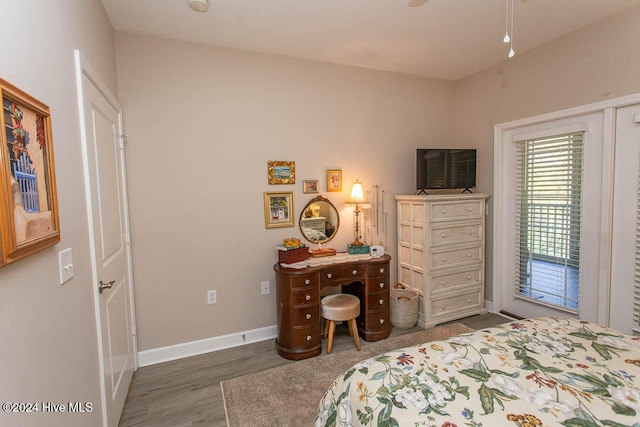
(489, 306)
(193, 348)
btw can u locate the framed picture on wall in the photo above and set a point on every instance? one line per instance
(281, 172)
(310, 186)
(28, 201)
(334, 180)
(278, 210)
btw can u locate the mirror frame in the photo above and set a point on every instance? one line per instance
(302, 216)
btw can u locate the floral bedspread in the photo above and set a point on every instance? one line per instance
(529, 373)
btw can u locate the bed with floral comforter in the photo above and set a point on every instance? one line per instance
(529, 373)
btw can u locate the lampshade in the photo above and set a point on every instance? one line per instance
(357, 193)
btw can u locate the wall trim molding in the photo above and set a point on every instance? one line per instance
(207, 345)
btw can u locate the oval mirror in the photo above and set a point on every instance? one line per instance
(319, 220)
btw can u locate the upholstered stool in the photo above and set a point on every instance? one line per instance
(338, 308)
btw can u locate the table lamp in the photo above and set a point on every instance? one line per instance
(358, 199)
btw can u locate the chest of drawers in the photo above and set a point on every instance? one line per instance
(441, 247)
(298, 303)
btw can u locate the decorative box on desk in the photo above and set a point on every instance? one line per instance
(362, 249)
(289, 256)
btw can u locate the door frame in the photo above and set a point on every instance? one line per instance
(84, 68)
(500, 200)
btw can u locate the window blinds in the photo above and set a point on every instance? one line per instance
(548, 220)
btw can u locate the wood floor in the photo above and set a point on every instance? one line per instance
(187, 392)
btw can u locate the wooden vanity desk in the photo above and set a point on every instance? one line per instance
(298, 302)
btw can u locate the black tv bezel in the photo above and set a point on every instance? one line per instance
(421, 189)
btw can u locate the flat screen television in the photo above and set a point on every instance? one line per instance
(445, 168)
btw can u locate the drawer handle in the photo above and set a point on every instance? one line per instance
(381, 321)
(443, 235)
(443, 259)
(354, 272)
(443, 284)
(444, 211)
(306, 282)
(381, 302)
(381, 285)
(382, 270)
(442, 307)
(308, 297)
(469, 255)
(468, 300)
(308, 317)
(329, 275)
(470, 209)
(308, 337)
(468, 277)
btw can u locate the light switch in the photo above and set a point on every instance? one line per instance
(65, 259)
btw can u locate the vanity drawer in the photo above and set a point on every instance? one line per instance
(305, 336)
(469, 300)
(447, 281)
(378, 284)
(450, 211)
(378, 270)
(305, 316)
(310, 280)
(305, 296)
(378, 301)
(445, 258)
(345, 273)
(377, 320)
(448, 234)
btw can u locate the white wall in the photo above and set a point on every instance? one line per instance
(48, 345)
(597, 62)
(203, 122)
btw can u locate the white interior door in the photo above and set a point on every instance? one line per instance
(509, 299)
(108, 217)
(625, 212)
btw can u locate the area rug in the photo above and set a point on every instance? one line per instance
(289, 395)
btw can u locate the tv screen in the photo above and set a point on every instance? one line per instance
(440, 168)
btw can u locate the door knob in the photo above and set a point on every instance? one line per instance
(103, 286)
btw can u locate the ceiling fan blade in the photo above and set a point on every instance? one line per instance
(417, 3)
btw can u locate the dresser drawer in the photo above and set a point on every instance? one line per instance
(304, 281)
(446, 281)
(444, 257)
(378, 301)
(377, 319)
(469, 300)
(305, 296)
(450, 211)
(343, 273)
(378, 284)
(448, 234)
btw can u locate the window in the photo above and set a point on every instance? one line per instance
(548, 220)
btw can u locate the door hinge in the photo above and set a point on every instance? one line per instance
(127, 238)
(133, 330)
(121, 139)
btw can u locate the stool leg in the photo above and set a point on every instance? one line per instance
(326, 329)
(354, 327)
(350, 328)
(332, 328)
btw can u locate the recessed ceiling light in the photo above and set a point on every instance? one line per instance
(199, 5)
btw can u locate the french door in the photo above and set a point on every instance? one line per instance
(548, 216)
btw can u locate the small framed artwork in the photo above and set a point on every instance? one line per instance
(282, 172)
(310, 186)
(28, 201)
(278, 210)
(334, 180)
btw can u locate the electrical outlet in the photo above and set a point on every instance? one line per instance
(212, 297)
(265, 287)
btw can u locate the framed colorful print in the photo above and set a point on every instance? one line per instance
(334, 180)
(282, 172)
(28, 201)
(310, 186)
(278, 210)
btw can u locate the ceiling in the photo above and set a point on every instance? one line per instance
(447, 39)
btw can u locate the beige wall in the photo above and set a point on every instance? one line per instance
(48, 345)
(598, 62)
(203, 122)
